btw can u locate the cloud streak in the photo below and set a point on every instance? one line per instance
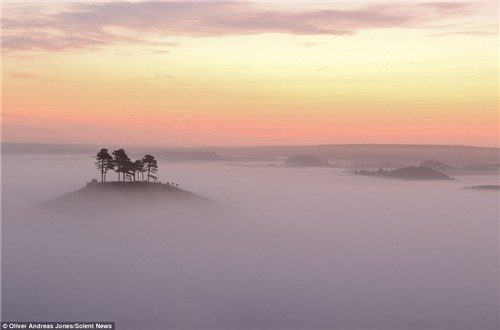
(94, 25)
(20, 75)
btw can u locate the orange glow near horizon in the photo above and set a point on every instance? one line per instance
(414, 83)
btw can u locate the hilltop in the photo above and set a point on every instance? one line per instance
(137, 189)
(123, 195)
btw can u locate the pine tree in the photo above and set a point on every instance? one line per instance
(121, 161)
(129, 170)
(104, 162)
(139, 168)
(151, 166)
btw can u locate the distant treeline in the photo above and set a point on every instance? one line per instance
(126, 168)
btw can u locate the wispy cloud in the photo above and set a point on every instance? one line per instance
(12, 115)
(471, 33)
(308, 44)
(21, 75)
(93, 25)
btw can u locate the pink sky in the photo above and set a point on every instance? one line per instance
(247, 73)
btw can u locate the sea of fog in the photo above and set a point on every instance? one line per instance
(295, 248)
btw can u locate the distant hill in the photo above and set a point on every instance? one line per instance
(492, 187)
(306, 161)
(122, 195)
(178, 156)
(408, 173)
(482, 169)
(438, 166)
(466, 169)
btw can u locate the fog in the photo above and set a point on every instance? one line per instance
(301, 248)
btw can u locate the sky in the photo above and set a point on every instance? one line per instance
(250, 73)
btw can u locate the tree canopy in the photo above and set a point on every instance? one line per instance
(121, 162)
(151, 166)
(126, 169)
(104, 162)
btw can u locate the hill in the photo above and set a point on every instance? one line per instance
(492, 187)
(438, 166)
(109, 196)
(465, 169)
(482, 169)
(306, 161)
(408, 173)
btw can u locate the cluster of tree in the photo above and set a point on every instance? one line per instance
(126, 168)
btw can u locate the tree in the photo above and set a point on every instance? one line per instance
(104, 162)
(139, 168)
(121, 162)
(129, 170)
(151, 166)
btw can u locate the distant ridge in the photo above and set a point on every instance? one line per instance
(374, 153)
(465, 169)
(491, 187)
(180, 156)
(405, 154)
(406, 145)
(306, 161)
(408, 173)
(438, 166)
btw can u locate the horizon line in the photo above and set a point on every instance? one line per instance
(259, 146)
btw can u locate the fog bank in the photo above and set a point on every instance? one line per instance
(294, 248)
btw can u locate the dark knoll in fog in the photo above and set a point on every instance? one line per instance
(306, 161)
(439, 166)
(123, 195)
(465, 169)
(408, 173)
(492, 187)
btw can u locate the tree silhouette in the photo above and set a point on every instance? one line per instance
(104, 162)
(151, 166)
(121, 162)
(129, 170)
(139, 168)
